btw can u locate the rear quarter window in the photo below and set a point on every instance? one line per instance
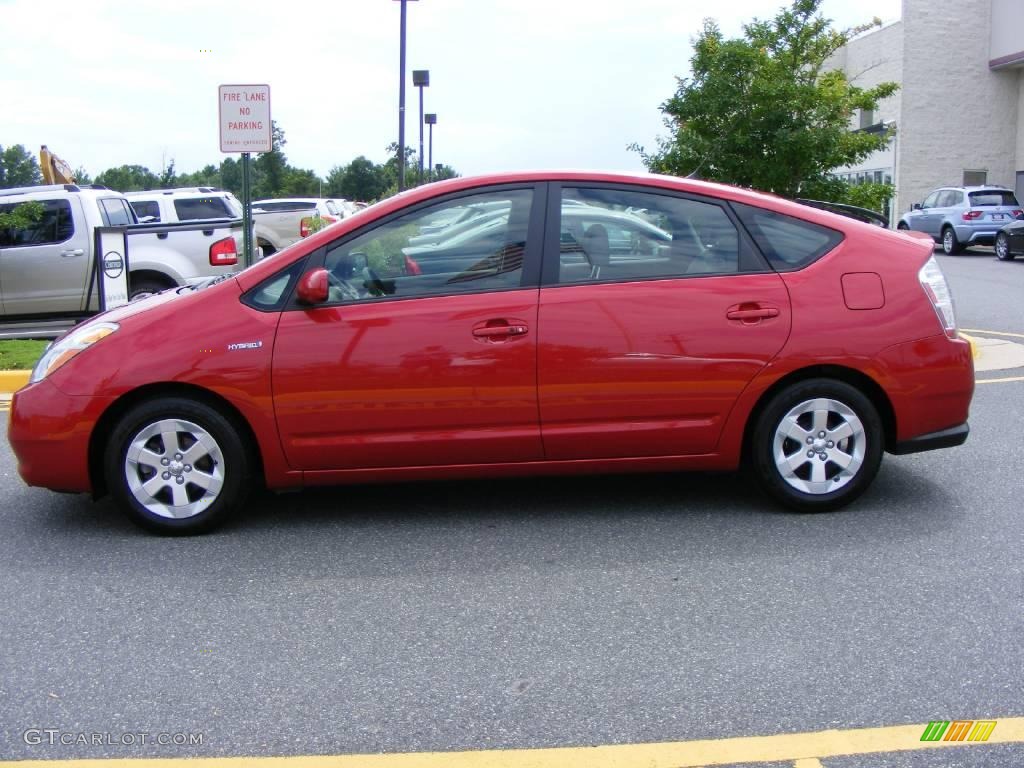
(787, 242)
(145, 208)
(189, 209)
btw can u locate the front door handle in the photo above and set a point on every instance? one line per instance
(751, 313)
(499, 331)
(72, 252)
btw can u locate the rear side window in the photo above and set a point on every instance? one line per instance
(202, 208)
(146, 208)
(116, 212)
(992, 197)
(787, 242)
(331, 209)
(55, 226)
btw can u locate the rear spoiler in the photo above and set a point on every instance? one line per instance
(851, 211)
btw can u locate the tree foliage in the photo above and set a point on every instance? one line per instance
(18, 167)
(762, 111)
(22, 216)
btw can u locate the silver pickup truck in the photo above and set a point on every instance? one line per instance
(45, 267)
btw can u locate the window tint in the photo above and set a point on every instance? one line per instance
(931, 200)
(146, 208)
(385, 262)
(992, 197)
(611, 234)
(116, 212)
(787, 242)
(201, 208)
(55, 226)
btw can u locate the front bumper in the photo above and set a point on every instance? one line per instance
(49, 433)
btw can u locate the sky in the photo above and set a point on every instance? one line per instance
(516, 84)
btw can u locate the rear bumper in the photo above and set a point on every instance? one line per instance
(49, 433)
(977, 236)
(944, 438)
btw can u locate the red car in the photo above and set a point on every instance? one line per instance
(606, 323)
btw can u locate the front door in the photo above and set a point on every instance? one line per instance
(655, 314)
(408, 365)
(44, 267)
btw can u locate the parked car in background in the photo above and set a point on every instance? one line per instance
(958, 217)
(803, 345)
(1010, 240)
(45, 268)
(288, 220)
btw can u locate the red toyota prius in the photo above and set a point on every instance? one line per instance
(586, 323)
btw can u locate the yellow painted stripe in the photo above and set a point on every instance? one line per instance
(994, 333)
(12, 381)
(975, 351)
(685, 754)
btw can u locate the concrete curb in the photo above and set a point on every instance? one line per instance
(12, 381)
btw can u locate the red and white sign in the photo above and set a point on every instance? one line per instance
(244, 118)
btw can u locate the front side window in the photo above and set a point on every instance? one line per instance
(394, 261)
(931, 200)
(189, 209)
(145, 208)
(614, 234)
(116, 212)
(55, 226)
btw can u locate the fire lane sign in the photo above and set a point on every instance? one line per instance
(244, 118)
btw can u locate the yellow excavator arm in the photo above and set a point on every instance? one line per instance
(55, 170)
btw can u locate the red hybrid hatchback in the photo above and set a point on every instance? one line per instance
(527, 323)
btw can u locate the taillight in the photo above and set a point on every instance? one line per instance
(329, 219)
(972, 215)
(304, 227)
(411, 267)
(937, 289)
(224, 253)
(1017, 214)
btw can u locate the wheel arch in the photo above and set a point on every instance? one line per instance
(152, 274)
(108, 420)
(864, 383)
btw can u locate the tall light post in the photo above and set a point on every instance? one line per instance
(430, 119)
(421, 79)
(401, 100)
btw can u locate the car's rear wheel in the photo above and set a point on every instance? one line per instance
(144, 287)
(176, 466)
(950, 244)
(1003, 247)
(817, 445)
(902, 226)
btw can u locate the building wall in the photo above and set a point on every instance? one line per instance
(956, 113)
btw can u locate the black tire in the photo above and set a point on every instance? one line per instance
(902, 226)
(950, 245)
(145, 286)
(769, 426)
(230, 463)
(1003, 252)
(268, 249)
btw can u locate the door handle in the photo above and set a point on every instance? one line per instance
(72, 252)
(499, 331)
(752, 314)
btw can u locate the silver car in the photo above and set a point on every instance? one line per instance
(958, 217)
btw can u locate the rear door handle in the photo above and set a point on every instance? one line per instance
(750, 314)
(499, 331)
(72, 252)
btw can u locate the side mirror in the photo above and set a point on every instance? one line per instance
(312, 288)
(915, 207)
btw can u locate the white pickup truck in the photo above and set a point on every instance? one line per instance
(45, 267)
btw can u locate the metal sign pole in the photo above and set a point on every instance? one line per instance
(246, 212)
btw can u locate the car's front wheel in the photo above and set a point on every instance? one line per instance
(950, 243)
(902, 226)
(1003, 247)
(817, 445)
(176, 466)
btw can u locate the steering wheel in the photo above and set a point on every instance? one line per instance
(347, 290)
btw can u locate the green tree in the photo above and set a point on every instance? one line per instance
(21, 216)
(168, 178)
(82, 176)
(762, 111)
(271, 168)
(128, 178)
(208, 176)
(361, 179)
(18, 167)
(231, 176)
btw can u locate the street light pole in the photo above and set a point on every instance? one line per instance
(421, 79)
(431, 120)
(401, 100)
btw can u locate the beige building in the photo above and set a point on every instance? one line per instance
(959, 113)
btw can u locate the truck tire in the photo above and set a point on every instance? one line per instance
(146, 286)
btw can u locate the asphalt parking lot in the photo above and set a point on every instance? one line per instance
(540, 613)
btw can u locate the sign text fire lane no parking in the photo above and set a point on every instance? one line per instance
(244, 118)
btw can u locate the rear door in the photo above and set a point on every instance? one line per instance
(997, 207)
(643, 351)
(44, 267)
(401, 368)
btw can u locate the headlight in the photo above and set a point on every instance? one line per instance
(76, 341)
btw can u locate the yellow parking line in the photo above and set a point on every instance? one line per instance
(806, 748)
(994, 333)
(996, 381)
